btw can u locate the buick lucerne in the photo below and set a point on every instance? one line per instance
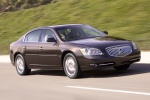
(73, 48)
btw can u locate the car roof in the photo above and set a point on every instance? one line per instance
(58, 26)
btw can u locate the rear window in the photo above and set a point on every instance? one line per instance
(33, 36)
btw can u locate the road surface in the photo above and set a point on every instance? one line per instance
(107, 84)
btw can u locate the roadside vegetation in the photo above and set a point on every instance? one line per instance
(129, 19)
(13, 5)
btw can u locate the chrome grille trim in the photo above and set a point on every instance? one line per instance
(119, 50)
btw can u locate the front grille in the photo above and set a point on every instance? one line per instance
(119, 50)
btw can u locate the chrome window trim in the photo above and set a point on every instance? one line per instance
(40, 35)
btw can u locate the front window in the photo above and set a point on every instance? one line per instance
(47, 34)
(70, 33)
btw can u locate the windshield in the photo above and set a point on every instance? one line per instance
(77, 32)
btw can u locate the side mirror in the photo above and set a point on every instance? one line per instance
(51, 39)
(106, 32)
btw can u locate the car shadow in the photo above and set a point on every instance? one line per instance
(137, 68)
(48, 72)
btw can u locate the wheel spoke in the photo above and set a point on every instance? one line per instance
(70, 66)
(20, 65)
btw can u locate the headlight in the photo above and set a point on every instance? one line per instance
(134, 46)
(91, 51)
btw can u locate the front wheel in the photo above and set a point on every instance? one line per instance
(21, 67)
(71, 67)
(122, 67)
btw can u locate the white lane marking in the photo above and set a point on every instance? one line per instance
(110, 90)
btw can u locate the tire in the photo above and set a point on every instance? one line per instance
(21, 67)
(71, 66)
(122, 67)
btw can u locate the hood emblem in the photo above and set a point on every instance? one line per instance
(121, 51)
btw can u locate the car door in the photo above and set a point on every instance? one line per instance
(49, 53)
(31, 48)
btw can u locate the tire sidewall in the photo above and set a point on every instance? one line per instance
(20, 56)
(75, 75)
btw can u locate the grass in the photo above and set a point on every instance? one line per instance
(129, 19)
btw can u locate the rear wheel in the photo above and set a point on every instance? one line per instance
(122, 67)
(21, 67)
(71, 67)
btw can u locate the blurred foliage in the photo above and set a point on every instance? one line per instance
(129, 19)
(11, 5)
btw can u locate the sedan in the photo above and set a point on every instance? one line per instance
(73, 48)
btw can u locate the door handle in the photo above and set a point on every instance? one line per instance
(41, 48)
(24, 47)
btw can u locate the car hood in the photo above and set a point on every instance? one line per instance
(101, 41)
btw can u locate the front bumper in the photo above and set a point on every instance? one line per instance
(97, 62)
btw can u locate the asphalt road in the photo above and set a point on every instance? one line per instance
(107, 84)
